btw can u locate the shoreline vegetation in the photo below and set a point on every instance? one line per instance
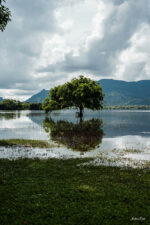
(26, 143)
(59, 191)
(128, 107)
(9, 104)
(38, 106)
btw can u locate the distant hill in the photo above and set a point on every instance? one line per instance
(1, 99)
(39, 97)
(117, 92)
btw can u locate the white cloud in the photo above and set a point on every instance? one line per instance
(66, 25)
(53, 50)
(98, 29)
(49, 42)
(134, 60)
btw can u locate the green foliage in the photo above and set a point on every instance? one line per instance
(81, 92)
(25, 106)
(5, 15)
(35, 106)
(10, 104)
(83, 136)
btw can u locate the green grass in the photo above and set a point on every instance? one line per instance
(58, 191)
(26, 142)
(126, 107)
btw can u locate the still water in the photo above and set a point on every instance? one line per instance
(100, 131)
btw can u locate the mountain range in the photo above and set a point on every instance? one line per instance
(39, 97)
(1, 99)
(117, 92)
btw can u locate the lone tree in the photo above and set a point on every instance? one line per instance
(81, 93)
(5, 15)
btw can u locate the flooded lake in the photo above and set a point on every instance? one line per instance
(106, 131)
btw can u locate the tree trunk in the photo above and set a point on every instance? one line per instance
(81, 112)
(81, 120)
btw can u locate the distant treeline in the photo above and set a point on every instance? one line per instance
(128, 107)
(9, 104)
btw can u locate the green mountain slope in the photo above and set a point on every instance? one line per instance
(1, 99)
(117, 92)
(126, 93)
(39, 97)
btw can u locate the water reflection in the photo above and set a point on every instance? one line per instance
(125, 132)
(21, 125)
(123, 129)
(82, 136)
(9, 116)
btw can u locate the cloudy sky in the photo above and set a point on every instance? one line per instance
(49, 42)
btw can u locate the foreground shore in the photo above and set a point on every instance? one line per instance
(57, 191)
(26, 143)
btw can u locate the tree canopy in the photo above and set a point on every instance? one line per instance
(81, 93)
(5, 15)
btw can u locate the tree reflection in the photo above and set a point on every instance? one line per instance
(10, 116)
(82, 136)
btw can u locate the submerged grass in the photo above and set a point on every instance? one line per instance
(26, 143)
(58, 191)
(126, 151)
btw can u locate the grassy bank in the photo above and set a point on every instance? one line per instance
(26, 143)
(128, 107)
(62, 192)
